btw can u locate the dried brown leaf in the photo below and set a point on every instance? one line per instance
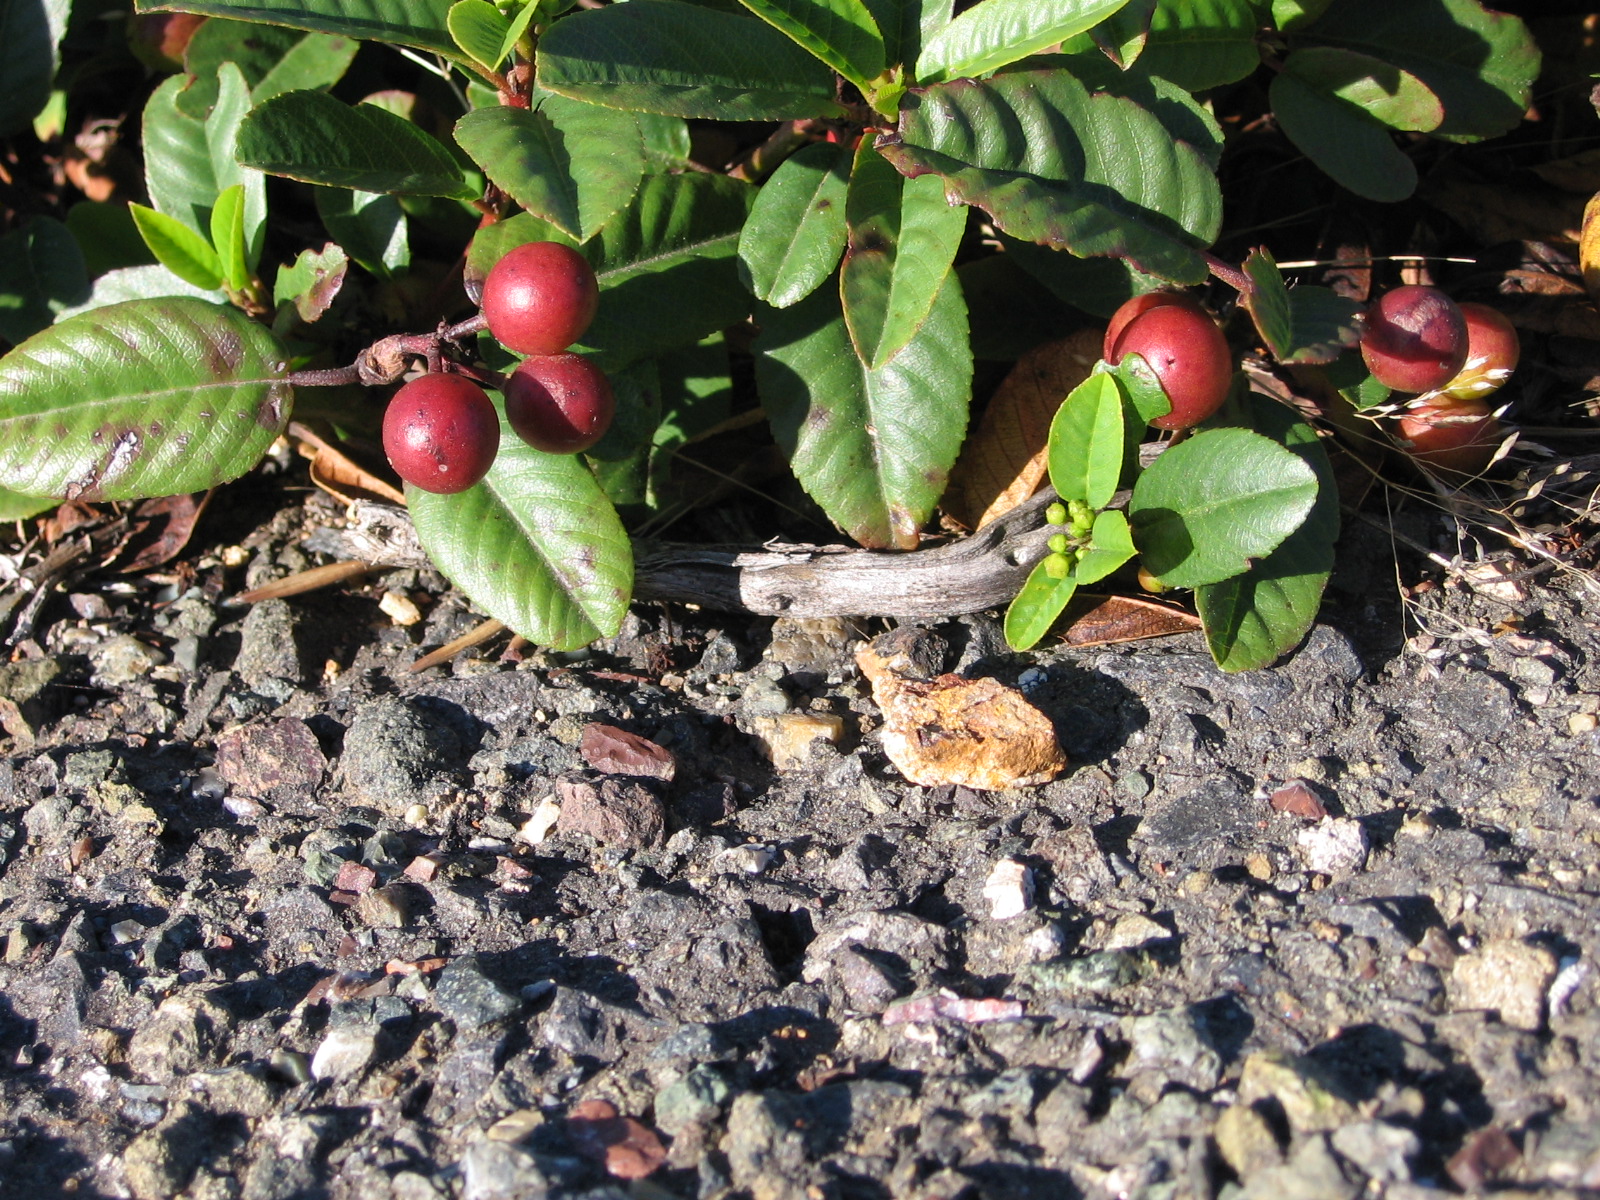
(1297, 799)
(1589, 247)
(629, 1149)
(1494, 213)
(160, 529)
(617, 752)
(1112, 619)
(1003, 462)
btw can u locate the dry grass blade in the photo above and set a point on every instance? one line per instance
(305, 581)
(473, 637)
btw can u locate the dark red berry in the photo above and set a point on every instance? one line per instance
(1138, 306)
(559, 403)
(1415, 339)
(1189, 355)
(441, 433)
(539, 298)
(1454, 436)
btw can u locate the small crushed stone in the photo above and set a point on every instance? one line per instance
(277, 919)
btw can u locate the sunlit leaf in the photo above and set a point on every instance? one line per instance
(993, 33)
(796, 230)
(842, 33)
(1358, 152)
(1038, 606)
(178, 248)
(420, 23)
(1086, 442)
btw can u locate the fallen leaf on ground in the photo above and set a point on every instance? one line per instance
(1113, 619)
(1297, 799)
(617, 752)
(628, 1148)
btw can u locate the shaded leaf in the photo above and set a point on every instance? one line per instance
(872, 447)
(907, 24)
(139, 283)
(535, 544)
(160, 528)
(148, 398)
(420, 23)
(1051, 163)
(1255, 618)
(1121, 37)
(1038, 605)
(1380, 89)
(902, 238)
(30, 32)
(107, 236)
(1200, 44)
(14, 506)
(1350, 146)
(178, 248)
(369, 227)
(574, 164)
(1003, 462)
(663, 56)
(273, 59)
(796, 231)
(1211, 504)
(310, 136)
(1307, 324)
(996, 32)
(842, 33)
(41, 275)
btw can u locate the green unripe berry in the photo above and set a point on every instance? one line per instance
(1056, 514)
(1057, 566)
(1058, 543)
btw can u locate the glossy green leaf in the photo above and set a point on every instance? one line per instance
(178, 169)
(519, 23)
(993, 33)
(1200, 44)
(1288, 15)
(227, 238)
(1253, 619)
(665, 140)
(1050, 162)
(419, 23)
(1121, 37)
(1348, 373)
(1038, 606)
(1097, 286)
(1350, 146)
(312, 281)
(222, 137)
(1308, 324)
(668, 57)
(796, 231)
(272, 58)
(571, 163)
(902, 238)
(480, 29)
(148, 398)
(873, 447)
(1110, 545)
(1184, 118)
(41, 275)
(314, 138)
(30, 32)
(369, 227)
(842, 33)
(149, 282)
(1480, 64)
(1380, 89)
(1086, 442)
(178, 248)
(1147, 399)
(906, 25)
(536, 545)
(1215, 502)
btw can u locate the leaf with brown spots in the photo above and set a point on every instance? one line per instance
(1003, 462)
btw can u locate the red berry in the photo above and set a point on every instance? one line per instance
(1457, 437)
(1493, 351)
(1415, 339)
(540, 297)
(1138, 306)
(1189, 355)
(559, 403)
(441, 433)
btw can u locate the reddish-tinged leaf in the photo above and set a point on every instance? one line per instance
(628, 1149)
(160, 530)
(1112, 619)
(1003, 462)
(618, 752)
(1297, 799)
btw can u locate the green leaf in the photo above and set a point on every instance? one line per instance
(311, 282)
(1349, 375)
(1037, 606)
(1200, 44)
(666, 141)
(1254, 618)
(873, 447)
(903, 237)
(106, 234)
(842, 33)
(996, 32)
(519, 25)
(668, 57)
(227, 238)
(419, 23)
(41, 274)
(1480, 64)
(370, 227)
(796, 230)
(536, 545)
(14, 506)
(1147, 399)
(178, 169)
(667, 267)
(1308, 324)
(272, 58)
(314, 138)
(480, 29)
(30, 32)
(1183, 117)
(1051, 163)
(1288, 15)
(1098, 286)
(222, 136)
(1213, 503)
(1086, 442)
(148, 398)
(1380, 89)
(1350, 146)
(178, 248)
(906, 25)
(1110, 545)
(1121, 37)
(150, 282)
(574, 164)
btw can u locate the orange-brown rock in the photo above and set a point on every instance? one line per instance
(977, 733)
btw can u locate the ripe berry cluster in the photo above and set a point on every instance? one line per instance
(441, 431)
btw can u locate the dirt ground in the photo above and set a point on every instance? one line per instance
(281, 918)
